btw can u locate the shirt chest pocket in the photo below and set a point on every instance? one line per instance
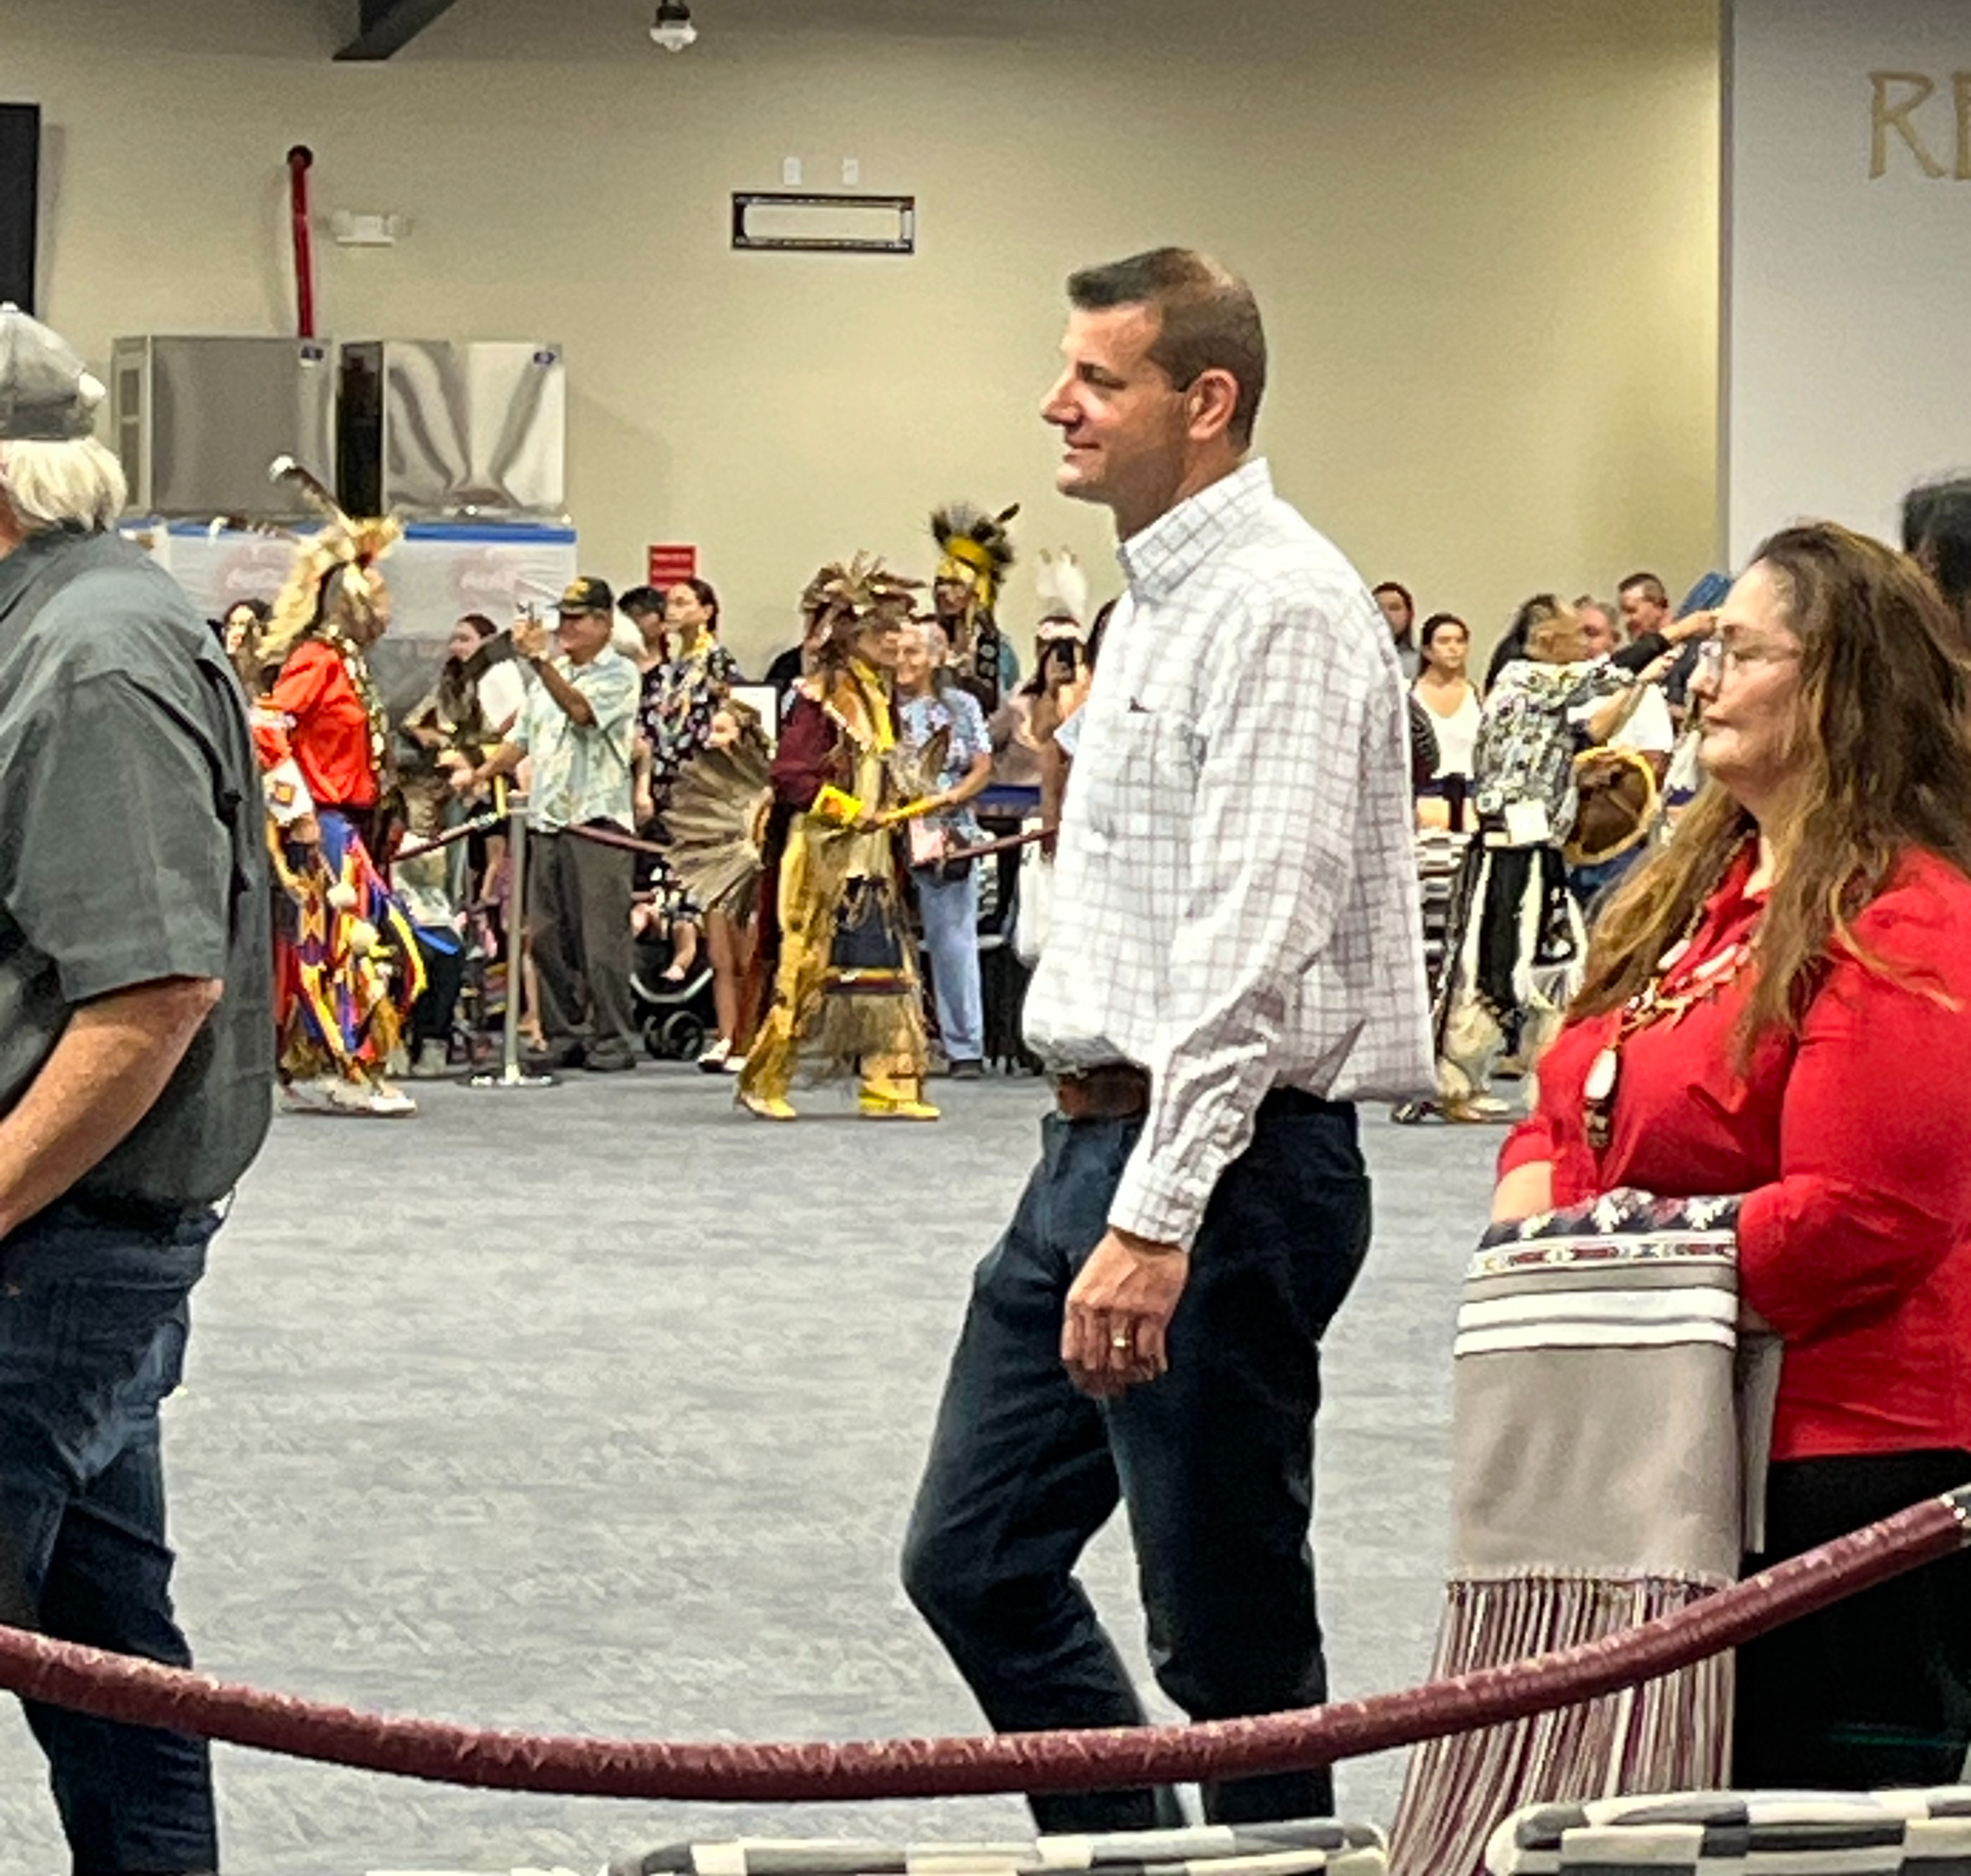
(1141, 778)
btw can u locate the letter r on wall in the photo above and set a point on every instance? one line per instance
(1891, 113)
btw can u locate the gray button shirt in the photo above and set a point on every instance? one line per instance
(131, 850)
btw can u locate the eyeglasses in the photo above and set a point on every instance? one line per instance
(1716, 658)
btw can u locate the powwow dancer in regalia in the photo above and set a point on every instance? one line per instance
(834, 933)
(975, 550)
(346, 966)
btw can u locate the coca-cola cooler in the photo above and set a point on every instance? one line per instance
(439, 571)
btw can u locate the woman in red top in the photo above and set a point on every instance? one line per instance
(1779, 1005)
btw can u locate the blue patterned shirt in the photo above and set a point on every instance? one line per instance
(581, 772)
(920, 718)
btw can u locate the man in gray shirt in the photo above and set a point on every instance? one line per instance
(136, 1069)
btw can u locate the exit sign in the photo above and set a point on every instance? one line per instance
(668, 565)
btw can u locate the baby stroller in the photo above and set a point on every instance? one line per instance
(675, 1018)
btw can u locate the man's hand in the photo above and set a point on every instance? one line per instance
(531, 637)
(304, 831)
(1119, 1312)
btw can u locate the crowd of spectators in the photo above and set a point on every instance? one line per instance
(598, 715)
(1536, 791)
(601, 715)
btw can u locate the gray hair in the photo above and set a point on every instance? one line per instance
(53, 485)
(938, 644)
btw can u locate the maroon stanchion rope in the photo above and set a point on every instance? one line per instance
(608, 837)
(480, 824)
(145, 1694)
(1003, 845)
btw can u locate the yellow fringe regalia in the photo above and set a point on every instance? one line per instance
(845, 997)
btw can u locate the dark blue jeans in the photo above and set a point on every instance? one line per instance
(93, 1324)
(1214, 1461)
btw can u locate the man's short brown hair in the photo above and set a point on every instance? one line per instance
(1208, 320)
(1653, 588)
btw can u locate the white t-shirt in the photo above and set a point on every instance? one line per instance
(1457, 734)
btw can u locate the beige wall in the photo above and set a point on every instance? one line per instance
(1485, 236)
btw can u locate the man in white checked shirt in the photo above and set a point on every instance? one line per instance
(1235, 956)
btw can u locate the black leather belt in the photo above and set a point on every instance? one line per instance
(1121, 1091)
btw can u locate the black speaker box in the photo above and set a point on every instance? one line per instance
(20, 197)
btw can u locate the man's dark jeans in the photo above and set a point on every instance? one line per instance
(1214, 1461)
(93, 1324)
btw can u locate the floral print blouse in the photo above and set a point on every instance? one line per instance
(679, 699)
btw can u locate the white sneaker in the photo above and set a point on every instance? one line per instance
(372, 1100)
(735, 1064)
(715, 1056)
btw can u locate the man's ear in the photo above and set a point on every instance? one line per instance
(1213, 400)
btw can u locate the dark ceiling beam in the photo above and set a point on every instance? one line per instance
(390, 25)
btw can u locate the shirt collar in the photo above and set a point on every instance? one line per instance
(1157, 558)
(17, 569)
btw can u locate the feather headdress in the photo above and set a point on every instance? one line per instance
(970, 538)
(1063, 582)
(844, 595)
(333, 582)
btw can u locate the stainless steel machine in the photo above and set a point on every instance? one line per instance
(472, 430)
(198, 419)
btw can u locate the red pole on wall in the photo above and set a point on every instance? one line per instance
(299, 159)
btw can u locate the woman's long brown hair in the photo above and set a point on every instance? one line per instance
(1884, 734)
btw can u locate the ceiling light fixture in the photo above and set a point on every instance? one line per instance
(672, 29)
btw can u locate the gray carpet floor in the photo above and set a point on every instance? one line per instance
(599, 1409)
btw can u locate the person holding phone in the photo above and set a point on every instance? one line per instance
(579, 729)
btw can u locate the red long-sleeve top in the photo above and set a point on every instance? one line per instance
(1849, 1142)
(329, 732)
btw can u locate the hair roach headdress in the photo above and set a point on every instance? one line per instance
(977, 544)
(333, 579)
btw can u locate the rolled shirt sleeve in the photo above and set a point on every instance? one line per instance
(1530, 1143)
(117, 866)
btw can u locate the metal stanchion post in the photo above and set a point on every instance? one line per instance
(511, 1074)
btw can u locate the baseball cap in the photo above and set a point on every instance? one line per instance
(587, 595)
(46, 395)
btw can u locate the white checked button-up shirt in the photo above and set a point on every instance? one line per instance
(1236, 902)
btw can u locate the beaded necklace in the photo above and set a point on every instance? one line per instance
(357, 666)
(1655, 1003)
